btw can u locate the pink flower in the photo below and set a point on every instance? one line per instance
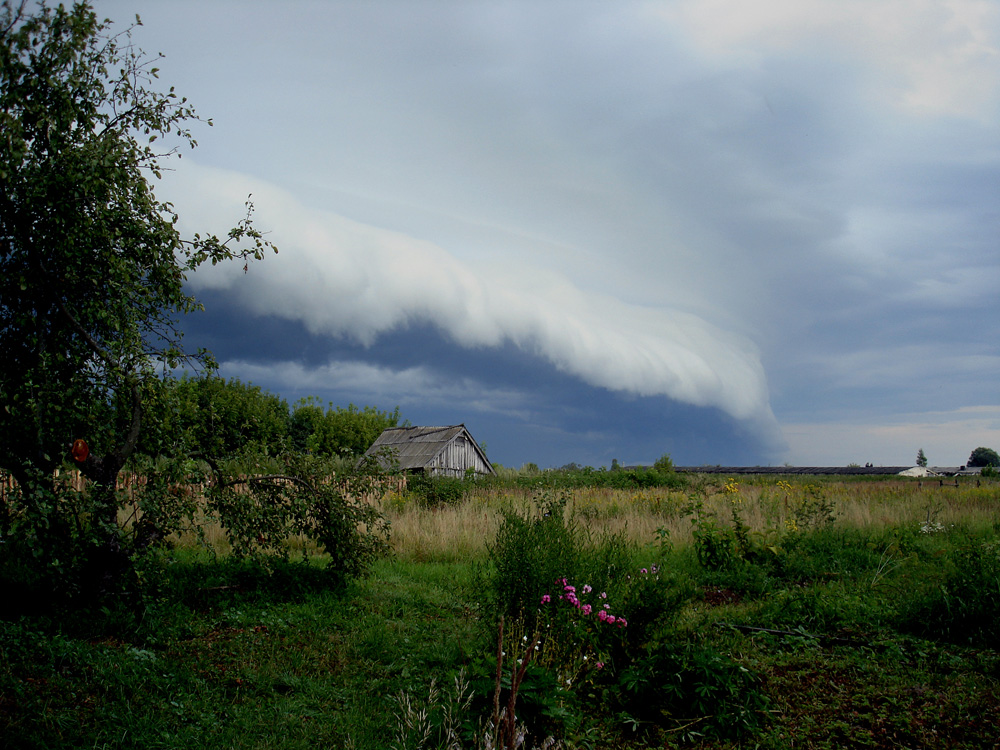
(585, 609)
(546, 599)
(602, 615)
(587, 589)
(643, 571)
(600, 665)
(604, 594)
(611, 619)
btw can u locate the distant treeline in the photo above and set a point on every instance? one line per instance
(220, 417)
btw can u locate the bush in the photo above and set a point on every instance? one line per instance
(651, 599)
(533, 550)
(261, 512)
(965, 607)
(436, 491)
(556, 593)
(688, 688)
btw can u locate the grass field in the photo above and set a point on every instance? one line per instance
(801, 614)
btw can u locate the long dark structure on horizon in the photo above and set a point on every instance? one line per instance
(835, 470)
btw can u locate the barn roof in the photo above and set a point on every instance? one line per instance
(416, 447)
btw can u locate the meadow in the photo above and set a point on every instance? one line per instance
(744, 612)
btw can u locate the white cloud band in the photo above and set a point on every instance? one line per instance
(342, 278)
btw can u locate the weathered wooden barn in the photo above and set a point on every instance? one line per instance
(440, 451)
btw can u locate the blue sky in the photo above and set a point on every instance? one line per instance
(735, 233)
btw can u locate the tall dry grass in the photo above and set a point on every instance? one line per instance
(463, 531)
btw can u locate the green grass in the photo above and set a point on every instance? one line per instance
(889, 640)
(241, 666)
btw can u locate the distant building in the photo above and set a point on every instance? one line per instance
(438, 451)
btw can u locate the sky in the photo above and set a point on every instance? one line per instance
(755, 233)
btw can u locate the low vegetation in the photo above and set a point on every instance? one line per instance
(806, 613)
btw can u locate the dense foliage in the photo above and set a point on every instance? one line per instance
(92, 291)
(984, 457)
(336, 430)
(215, 417)
(92, 268)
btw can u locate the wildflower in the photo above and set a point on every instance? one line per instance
(587, 589)
(586, 609)
(604, 594)
(643, 571)
(600, 665)
(546, 599)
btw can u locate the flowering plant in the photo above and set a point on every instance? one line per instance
(577, 628)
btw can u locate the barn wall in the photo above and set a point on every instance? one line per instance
(457, 457)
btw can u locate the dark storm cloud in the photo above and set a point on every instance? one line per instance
(672, 216)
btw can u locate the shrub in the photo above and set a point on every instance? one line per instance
(966, 605)
(533, 550)
(690, 689)
(436, 491)
(547, 578)
(651, 599)
(260, 513)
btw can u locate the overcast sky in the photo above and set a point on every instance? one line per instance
(738, 233)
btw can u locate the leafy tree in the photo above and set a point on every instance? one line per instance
(983, 457)
(339, 431)
(921, 458)
(304, 422)
(92, 266)
(664, 464)
(215, 417)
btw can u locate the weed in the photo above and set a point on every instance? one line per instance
(965, 605)
(689, 691)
